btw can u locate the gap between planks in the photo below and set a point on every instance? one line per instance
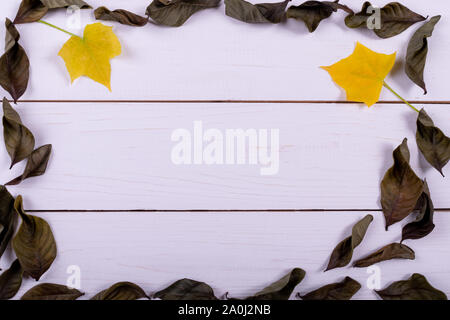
(216, 210)
(228, 101)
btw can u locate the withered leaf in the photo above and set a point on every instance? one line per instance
(343, 290)
(175, 13)
(8, 218)
(30, 11)
(10, 281)
(19, 140)
(343, 252)
(281, 289)
(424, 221)
(186, 289)
(34, 243)
(14, 64)
(313, 12)
(416, 55)
(415, 288)
(50, 291)
(121, 16)
(36, 165)
(394, 18)
(55, 4)
(389, 252)
(121, 291)
(256, 13)
(432, 142)
(34, 10)
(400, 187)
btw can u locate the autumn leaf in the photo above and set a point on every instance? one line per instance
(362, 74)
(89, 56)
(343, 252)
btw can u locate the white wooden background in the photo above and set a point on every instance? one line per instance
(120, 209)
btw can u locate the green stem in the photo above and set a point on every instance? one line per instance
(400, 97)
(57, 28)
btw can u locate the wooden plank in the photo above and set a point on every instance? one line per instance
(118, 156)
(239, 253)
(215, 57)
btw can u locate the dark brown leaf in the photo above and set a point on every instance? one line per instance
(175, 13)
(432, 142)
(416, 56)
(19, 140)
(8, 218)
(186, 289)
(258, 13)
(121, 291)
(56, 4)
(50, 291)
(344, 290)
(394, 19)
(424, 222)
(14, 64)
(10, 281)
(400, 187)
(34, 10)
(281, 289)
(34, 243)
(30, 11)
(121, 16)
(415, 288)
(389, 252)
(313, 12)
(343, 252)
(36, 165)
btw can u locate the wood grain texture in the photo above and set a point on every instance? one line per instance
(118, 156)
(236, 252)
(215, 57)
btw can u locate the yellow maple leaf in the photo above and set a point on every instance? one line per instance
(362, 74)
(89, 56)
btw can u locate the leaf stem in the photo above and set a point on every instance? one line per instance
(400, 97)
(57, 28)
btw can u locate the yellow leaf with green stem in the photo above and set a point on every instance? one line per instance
(90, 55)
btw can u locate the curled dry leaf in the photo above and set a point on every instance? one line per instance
(400, 187)
(313, 12)
(362, 74)
(256, 13)
(30, 11)
(121, 291)
(36, 165)
(424, 221)
(281, 289)
(19, 141)
(343, 290)
(10, 281)
(50, 291)
(34, 10)
(432, 142)
(121, 16)
(8, 218)
(389, 252)
(14, 64)
(186, 289)
(416, 55)
(175, 13)
(343, 252)
(394, 18)
(34, 243)
(415, 288)
(89, 56)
